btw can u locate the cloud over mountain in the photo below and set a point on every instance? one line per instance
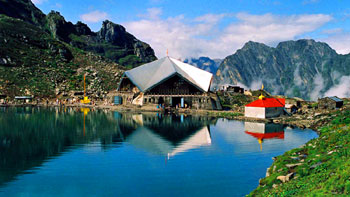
(206, 36)
(94, 16)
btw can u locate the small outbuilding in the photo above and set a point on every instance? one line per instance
(2, 98)
(235, 89)
(291, 108)
(231, 88)
(25, 99)
(330, 103)
(265, 108)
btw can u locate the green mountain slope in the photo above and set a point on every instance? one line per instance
(34, 63)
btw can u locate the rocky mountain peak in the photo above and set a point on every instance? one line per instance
(307, 46)
(82, 29)
(205, 63)
(303, 68)
(112, 41)
(113, 33)
(251, 45)
(59, 27)
(22, 9)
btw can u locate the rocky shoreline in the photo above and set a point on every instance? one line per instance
(312, 119)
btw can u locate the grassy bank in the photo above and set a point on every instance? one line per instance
(320, 167)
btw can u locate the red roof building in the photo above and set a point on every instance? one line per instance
(265, 108)
(267, 102)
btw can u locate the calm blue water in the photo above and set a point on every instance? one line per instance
(55, 152)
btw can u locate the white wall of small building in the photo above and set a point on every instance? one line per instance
(261, 112)
(254, 112)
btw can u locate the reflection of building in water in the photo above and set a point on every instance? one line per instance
(263, 131)
(154, 143)
(165, 135)
(29, 136)
(85, 111)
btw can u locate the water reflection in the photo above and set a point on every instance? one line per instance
(31, 136)
(152, 142)
(263, 131)
(165, 135)
(77, 152)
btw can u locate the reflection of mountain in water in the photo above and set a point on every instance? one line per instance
(31, 136)
(262, 131)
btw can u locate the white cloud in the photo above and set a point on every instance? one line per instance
(94, 16)
(310, 1)
(152, 13)
(203, 35)
(342, 89)
(318, 87)
(210, 18)
(340, 41)
(38, 2)
(333, 31)
(58, 5)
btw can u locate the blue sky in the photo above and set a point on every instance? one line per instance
(192, 28)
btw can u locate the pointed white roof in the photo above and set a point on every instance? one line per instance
(149, 75)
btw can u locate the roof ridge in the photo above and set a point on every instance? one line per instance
(159, 69)
(188, 76)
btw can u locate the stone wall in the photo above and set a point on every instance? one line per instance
(193, 102)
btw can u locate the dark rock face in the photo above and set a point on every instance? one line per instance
(118, 36)
(22, 9)
(115, 34)
(59, 28)
(83, 29)
(112, 41)
(205, 63)
(302, 68)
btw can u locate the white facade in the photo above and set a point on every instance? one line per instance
(254, 112)
(262, 112)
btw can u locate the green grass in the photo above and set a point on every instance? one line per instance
(226, 114)
(325, 169)
(232, 101)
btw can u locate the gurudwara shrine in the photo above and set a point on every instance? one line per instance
(167, 82)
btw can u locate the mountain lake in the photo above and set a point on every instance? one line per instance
(86, 152)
